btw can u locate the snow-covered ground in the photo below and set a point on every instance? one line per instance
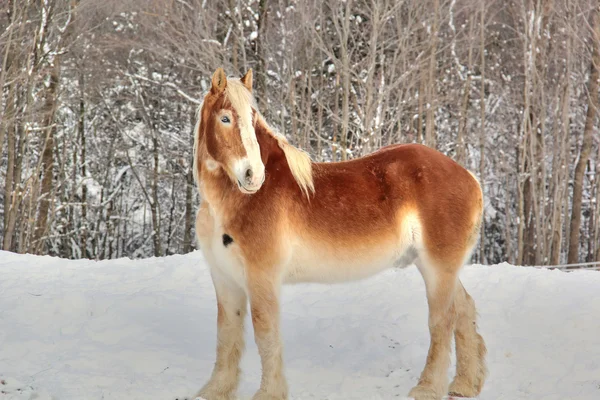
(145, 330)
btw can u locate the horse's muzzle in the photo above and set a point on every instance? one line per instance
(250, 178)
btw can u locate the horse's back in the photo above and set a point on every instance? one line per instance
(396, 177)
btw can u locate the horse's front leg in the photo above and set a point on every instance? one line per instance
(264, 289)
(231, 311)
(204, 225)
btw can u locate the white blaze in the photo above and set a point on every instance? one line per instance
(242, 102)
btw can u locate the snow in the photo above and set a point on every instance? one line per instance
(145, 329)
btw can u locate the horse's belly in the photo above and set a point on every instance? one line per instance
(313, 264)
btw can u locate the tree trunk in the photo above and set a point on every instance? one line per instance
(345, 29)
(482, 134)
(336, 112)
(370, 86)
(81, 127)
(597, 227)
(154, 206)
(529, 221)
(234, 37)
(6, 61)
(47, 159)
(591, 220)
(520, 204)
(586, 146)
(189, 188)
(430, 131)
(171, 213)
(560, 169)
(507, 206)
(461, 147)
(9, 195)
(261, 73)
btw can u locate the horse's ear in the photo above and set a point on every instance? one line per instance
(219, 81)
(247, 80)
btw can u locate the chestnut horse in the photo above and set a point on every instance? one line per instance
(269, 216)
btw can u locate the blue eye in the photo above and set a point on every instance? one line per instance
(225, 119)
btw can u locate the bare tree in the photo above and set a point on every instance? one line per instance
(586, 144)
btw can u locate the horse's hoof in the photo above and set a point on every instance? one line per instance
(196, 397)
(424, 393)
(462, 389)
(212, 395)
(261, 395)
(462, 394)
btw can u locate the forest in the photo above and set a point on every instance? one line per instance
(99, 100)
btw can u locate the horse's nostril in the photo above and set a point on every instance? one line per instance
(249, 175)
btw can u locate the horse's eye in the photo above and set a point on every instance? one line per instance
(225, 119)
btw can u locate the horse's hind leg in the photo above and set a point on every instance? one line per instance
(231, 311)
(441, 284)
(470, 348)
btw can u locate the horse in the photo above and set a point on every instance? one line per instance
(269, 215)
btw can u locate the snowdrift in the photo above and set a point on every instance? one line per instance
(145, 329)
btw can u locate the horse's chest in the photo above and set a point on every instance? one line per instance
(223, 253)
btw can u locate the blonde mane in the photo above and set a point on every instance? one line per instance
(300, 165)
(298, 160)
(243, 101)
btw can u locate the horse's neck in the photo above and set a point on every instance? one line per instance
(287, 166)
(215, 187)
(270, 151)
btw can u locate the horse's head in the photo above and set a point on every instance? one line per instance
(227, 130)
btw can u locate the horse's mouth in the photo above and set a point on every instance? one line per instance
(245, 190)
